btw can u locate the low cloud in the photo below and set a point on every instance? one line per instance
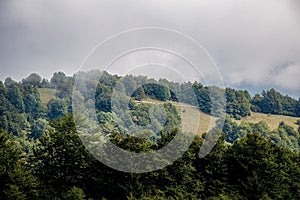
(249, 40)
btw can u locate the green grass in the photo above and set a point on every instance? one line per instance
(198, 122)
(46, 95)
(272, 120)
(192, 119)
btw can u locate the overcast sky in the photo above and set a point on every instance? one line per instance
(255, 43)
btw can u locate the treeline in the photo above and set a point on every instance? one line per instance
(284, 136)
(59, 167)
(42, 156)
(273, 102)
(21, 110)
(239, 103)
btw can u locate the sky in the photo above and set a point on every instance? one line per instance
(254, 43)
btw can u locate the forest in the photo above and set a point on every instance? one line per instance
(43, 157)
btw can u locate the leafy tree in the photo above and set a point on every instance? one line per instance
(212, 169)
(298, 123)
(129, 84)
(2, 89)
(62, 84)
(64, 89)
(230, 129)
(9, 82)
(32, 107)
(110, 80)
(58, 77)
(260, 127)
(289, 138)
(38, 127)
(273, 102)
(14, 95)
(238, 104)
(217, 96)
(45, 83)
(298, 108)
(258, 168)
(163, 92)
(3, 123)
(74, 193)
(60, 159)
(256, 103)
(57, 108)
(16, 122)
(186, 92)
(139, 94)
(103, 98)
(17, 181)
(33, 79)
(203, 97)
(140, 114)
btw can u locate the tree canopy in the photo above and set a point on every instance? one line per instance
(43, 157)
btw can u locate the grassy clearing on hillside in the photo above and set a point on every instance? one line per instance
(189, 115)
(272, 120)
(193, 120)
(46, 95)
(192, 117)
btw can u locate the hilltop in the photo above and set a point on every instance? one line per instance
(193, 112)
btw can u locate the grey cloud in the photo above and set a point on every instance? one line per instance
(247, 39)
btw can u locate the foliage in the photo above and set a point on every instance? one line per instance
(60, 159)
(238, 104)
(33, 80)
(273, 102)
(284, 135)
(17, 182)
(62, 84)
(258, 168)
(74, 193)
(42, 156)
(57, 108)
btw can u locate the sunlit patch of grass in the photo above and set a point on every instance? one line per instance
(191, 114)
(46, 95)
(192, 119)
(272, 120)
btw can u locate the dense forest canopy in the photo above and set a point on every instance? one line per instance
(42, 156)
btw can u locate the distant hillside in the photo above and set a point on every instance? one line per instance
(190, 113)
